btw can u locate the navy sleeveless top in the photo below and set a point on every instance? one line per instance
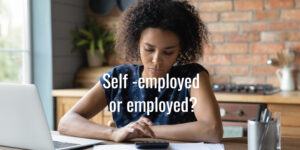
(132, 92)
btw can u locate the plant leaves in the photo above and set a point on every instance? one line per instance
(88, 34)
(100, 46)
(92, 48)
(82, 42)
(95, 38)
(109, 38)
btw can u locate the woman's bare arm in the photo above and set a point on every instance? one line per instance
(207, 128)
(76, 123)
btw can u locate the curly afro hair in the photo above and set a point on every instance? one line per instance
(176, 16)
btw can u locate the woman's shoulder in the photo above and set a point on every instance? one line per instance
(125, 67)
(129, 69)
(190, 69)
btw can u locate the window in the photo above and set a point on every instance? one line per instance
(15, 49)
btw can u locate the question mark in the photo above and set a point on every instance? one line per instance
(194, 100)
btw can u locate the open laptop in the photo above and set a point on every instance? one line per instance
(23, 123)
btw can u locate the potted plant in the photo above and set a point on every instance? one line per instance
(97, 41)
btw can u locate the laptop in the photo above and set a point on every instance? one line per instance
(23, 122)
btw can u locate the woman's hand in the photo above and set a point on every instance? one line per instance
(136, 129)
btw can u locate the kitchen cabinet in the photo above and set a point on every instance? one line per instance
(64, 100)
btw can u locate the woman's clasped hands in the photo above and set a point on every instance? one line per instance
(138, 129)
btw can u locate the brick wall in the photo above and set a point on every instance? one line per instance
(244, 34)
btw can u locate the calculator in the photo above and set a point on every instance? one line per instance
(152, 145)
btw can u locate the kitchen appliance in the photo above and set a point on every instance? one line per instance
(237, 114)
(260, 89)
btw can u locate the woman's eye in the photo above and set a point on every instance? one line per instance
(149, 50)
(168, 53)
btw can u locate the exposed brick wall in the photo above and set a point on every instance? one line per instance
(243, 35)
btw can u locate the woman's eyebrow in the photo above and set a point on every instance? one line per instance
(149, 44)
(168, 47)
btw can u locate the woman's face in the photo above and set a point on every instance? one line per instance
(158, 50)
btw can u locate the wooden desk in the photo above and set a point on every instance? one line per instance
(288, 143)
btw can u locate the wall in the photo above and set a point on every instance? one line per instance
(66, 15)
(244, 34)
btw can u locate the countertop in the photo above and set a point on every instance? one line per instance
(277, 98)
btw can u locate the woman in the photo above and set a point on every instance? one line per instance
(166, 37)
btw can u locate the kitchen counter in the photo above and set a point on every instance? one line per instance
(277, 98)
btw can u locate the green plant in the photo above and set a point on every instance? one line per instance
(93, 37)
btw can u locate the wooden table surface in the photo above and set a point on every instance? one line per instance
(288, 143)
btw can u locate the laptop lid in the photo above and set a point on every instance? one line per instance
(23, 122)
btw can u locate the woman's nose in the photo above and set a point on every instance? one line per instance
(156, 58)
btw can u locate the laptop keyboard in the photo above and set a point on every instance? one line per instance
(58, 144)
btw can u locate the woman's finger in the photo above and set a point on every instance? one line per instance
(144, 128)
(130, 129)
(146, 120)
(141, 128)
(148, 128)
(136, 134)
